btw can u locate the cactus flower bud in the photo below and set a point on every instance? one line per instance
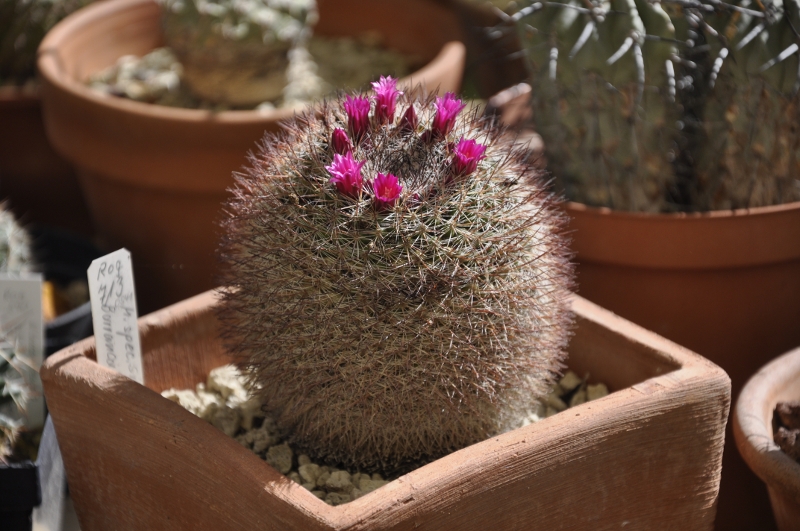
(346, 174)
(447, 108)
(385, 99)
(467, 154)
(339, 141)
(357, 109)
(386, 188)
(409, 121)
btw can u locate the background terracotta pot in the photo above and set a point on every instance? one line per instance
(647, 455)
(154, 177)
(39, 185)
(778, 381)
(724, 284)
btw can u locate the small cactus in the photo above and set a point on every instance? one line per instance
(15, 257)
(397, 278)
(236, 51)
(23, 25)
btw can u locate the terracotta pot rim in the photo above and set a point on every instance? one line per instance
(695, 241)
(752, 424)
(709, 215)
(51, 72)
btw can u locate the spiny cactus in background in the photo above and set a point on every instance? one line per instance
(23, 24)
(672, 105)
(397, 279)
(15, 248)
(236, 51)
(15, 257)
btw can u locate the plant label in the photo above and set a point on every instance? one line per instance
(21, 349)
(114, 314)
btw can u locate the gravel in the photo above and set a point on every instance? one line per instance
(318, 70)
(223, 401)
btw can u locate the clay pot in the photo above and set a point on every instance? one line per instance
(778, 381)
(646, 456)
(39, 185)
(725, 284)
(154, 177)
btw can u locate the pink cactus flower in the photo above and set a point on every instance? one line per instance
(409, 121)
(385, 99)
(386, 188)
(357, 109)
(339, 142)
(447, 108)
(346, 174)
(466, 156)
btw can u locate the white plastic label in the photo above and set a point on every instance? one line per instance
(22, 346)
(114, 314)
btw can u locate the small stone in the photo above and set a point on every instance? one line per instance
(303, 459)
(337, 498)
(280, 457)
(226, 381)
(262, 439)
(595, 391)
(789, 442)
(249, 409)
(356, 494)
(310, 472)
(323, 478)
(226, 420)
(377, 477)
(246, 440)
(368, 485)
(578, 398)
(309, 486)
(319, 494)
(294, 476)
(340, 481)
(187, 399)
(549, 412)
(789, 413)
(555, 402)
(569, 381)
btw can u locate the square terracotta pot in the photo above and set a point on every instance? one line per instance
(647, 456)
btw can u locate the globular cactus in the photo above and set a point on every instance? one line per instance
(15, 247)
(672, 105)
(236, 51)
(397, 279)
(23, 24)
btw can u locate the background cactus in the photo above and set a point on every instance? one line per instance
(236, 51)
(15, 257)
(23, 24)
(398, 280)
(671, 105)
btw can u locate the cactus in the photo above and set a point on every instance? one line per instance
(23, 24)
(15, 257)
(236, 51)
(663, 106)
(397, 280)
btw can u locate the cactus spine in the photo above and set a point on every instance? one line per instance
(398, 280)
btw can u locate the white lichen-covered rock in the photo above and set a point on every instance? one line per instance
(187, 399)
(337, 498)
(368, 485)
(595, 391)
(569, 381)
(339, 481)
(228, 382)
(226, 419)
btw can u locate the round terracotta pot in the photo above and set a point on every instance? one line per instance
(154, 177)
(725, 284)
(778, 381)
(38, 184)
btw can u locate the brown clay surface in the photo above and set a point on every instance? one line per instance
(645, 457)
(778, 381)
(724, 284)
(155, 177)
(39, 185)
